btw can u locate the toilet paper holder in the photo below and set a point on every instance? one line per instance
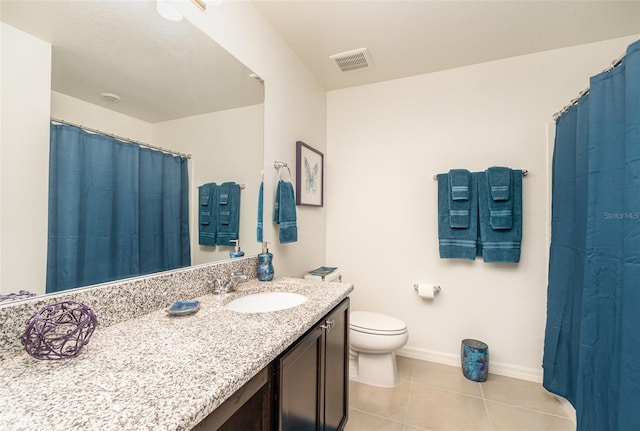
(436, 288)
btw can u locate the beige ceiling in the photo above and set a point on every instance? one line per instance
(162, 70)
(408, 38)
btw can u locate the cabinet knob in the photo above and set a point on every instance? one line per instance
(328, 324)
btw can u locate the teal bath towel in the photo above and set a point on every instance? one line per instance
(228, 213)
(456, 243)
(501, 244)
(284, 212)
(259, 230)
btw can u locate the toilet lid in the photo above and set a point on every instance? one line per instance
(376, 323)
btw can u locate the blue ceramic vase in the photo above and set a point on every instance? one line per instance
(475, 360)
(265, 267)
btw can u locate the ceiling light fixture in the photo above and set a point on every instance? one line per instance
(110, 97)
(167, 11)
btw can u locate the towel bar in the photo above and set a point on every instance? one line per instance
(524, 174)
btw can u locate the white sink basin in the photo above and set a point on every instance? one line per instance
(265, 302)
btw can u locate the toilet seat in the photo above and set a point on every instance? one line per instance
(376, 324)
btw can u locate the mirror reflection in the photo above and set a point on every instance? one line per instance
(120, 68)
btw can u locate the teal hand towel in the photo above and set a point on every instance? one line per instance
(459, 184)
(459, 203)
(223, 197)
(499, 182)
(284, 212)
(500, 245)
(259, 231)
(456, 243)
(500, 210)
(207, 214)
(228, 213)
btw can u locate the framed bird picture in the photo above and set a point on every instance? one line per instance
(309, 175)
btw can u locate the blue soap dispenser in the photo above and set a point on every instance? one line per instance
(265, 267)
(237, 252)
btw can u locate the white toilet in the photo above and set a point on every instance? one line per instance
(374, 338)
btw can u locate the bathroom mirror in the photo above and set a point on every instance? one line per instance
(177, 89)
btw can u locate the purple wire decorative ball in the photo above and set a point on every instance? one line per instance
(59, 331)
(23, 294)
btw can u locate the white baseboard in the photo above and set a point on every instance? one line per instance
(568, 409)
(500, 368)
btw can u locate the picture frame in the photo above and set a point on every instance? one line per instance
(309, 175)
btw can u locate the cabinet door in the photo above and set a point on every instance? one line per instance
(336, 368)
(300, 385)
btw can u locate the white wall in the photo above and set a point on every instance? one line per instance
(76, 111)
(294, 110)
(385, 143)
(24, 167)
(223, 148)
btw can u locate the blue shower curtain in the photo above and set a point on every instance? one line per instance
(116, 210)
(592, 337)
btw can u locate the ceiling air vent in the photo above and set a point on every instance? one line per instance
(352, 60)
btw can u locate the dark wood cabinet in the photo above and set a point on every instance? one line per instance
(312, 377)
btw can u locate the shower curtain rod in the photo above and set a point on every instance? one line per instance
(120, 138)
(615, 63)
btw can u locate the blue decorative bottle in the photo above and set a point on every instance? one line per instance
(265, 267)
(237, 252)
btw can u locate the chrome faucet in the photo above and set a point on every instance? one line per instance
(226, 286)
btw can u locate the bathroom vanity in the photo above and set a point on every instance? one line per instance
(215, 369)
(305, 388)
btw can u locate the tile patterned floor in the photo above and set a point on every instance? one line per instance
(437, 397)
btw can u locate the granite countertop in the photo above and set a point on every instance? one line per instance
(158, 372)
